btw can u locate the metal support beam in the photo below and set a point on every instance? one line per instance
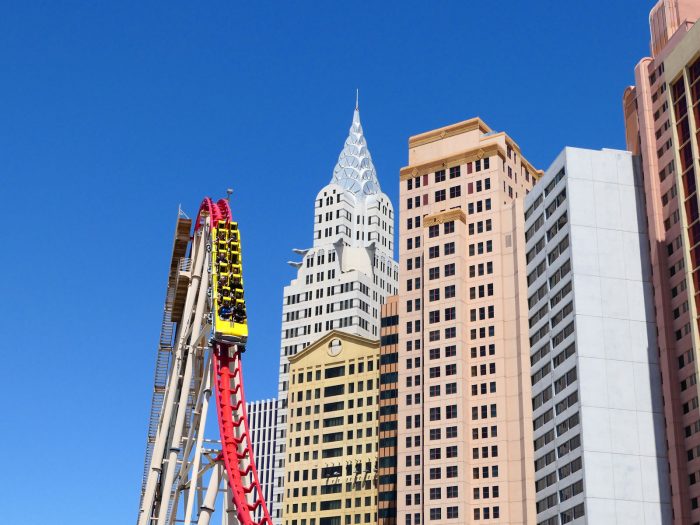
(191, 493)
(169, 403)
(207, 508)
(175, 444)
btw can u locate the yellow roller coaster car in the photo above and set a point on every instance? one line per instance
(230, 318)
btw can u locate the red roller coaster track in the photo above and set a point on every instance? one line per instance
(235, 435)
(178, 418)
(236, 445)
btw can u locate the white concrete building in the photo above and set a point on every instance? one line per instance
(600, 454)
(344, 278)
(262, 421)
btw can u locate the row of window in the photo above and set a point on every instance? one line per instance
(450, 370)
(454, 172)
(560, 407)
(335, 520)
(435, 390)
(434, 251)
(554, 499)
(331, 290)
(450, 315)
(334, 371)
(434, 294)
(343, 322)
(561, 451)
(434, 273)
(441, 195)
(435, 413)
(450, 351)
(447, 228)
(558, 475)
(331, 307)
(485, 513)
(555, 278)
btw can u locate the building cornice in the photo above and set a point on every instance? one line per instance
(344, 336)
(463, 157)
(448, 131)
(444, 216)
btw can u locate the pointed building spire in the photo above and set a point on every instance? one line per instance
(354, 170)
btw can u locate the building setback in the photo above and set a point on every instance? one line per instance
(600, 455)
(388, 411)
(332, 434)
(661, 121)
(465, 417)
(341, 281)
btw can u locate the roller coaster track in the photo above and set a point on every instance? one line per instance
(206, 325)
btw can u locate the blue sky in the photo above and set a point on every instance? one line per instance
(113, 113)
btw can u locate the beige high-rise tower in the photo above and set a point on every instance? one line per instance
(465, 415)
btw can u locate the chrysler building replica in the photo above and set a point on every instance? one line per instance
(342, 280)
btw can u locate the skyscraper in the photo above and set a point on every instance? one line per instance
(600, 453)
(262, 419)
(661, 121)
(332, 432)
(344, 278)
(388, 412)
(465, 415)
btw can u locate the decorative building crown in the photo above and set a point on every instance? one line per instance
(354, 170)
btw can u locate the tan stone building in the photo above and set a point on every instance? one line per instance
(465, 413)
(333, 432)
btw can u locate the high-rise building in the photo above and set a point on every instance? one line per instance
(465, 414)
(600, 453)
(344, 278)
(332, 432)
(262, 421)
(388, 411)
(661, 119)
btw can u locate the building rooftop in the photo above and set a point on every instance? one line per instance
(355, 170)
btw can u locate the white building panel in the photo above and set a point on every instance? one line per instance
(599, 357)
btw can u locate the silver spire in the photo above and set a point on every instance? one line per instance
(354, 170)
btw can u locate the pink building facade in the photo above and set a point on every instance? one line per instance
(662, 118)
(465, 414)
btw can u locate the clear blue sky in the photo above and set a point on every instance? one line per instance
(113, 113)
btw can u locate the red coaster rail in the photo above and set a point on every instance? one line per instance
(236, 445)
(206, 333)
